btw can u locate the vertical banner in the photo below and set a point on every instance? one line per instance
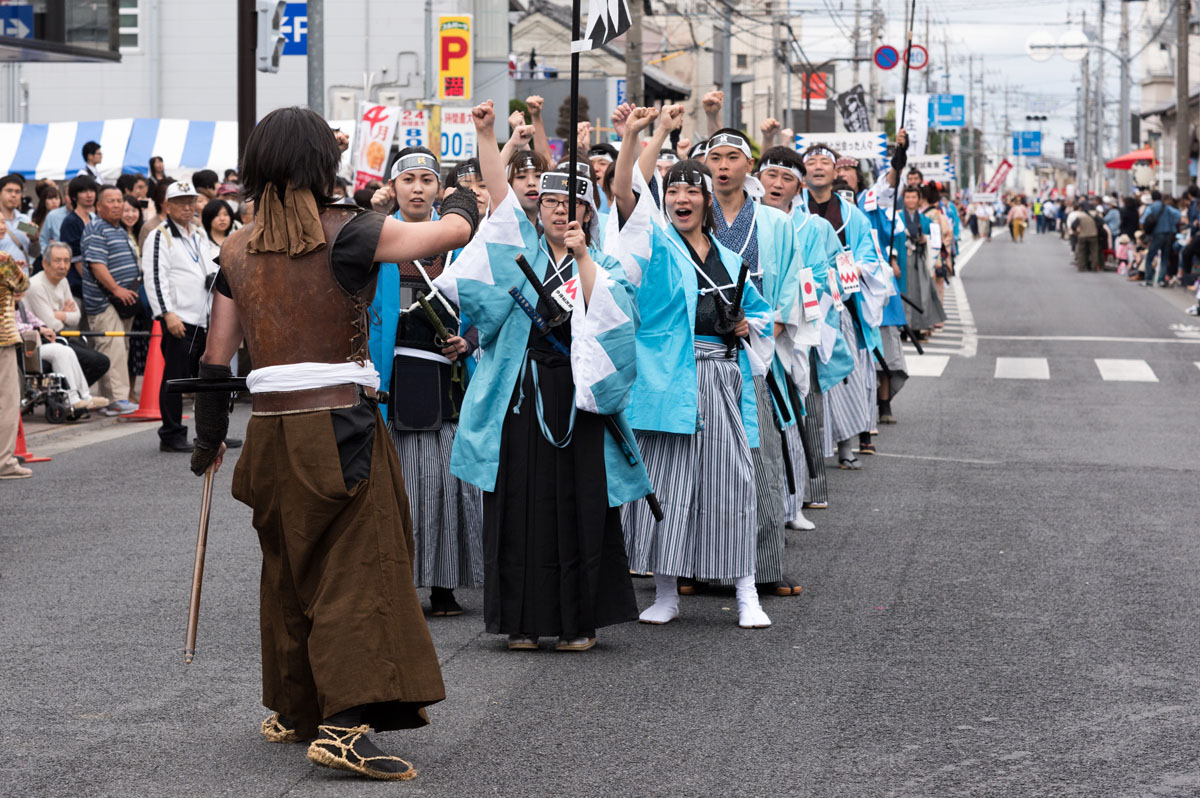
(377, 129)
(455, 57)
(916, 122)
(413, 128)
(853, 105)
(999, 176)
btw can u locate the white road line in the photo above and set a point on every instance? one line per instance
(1198, 365)
(1022, 368)
(970, 343)
(927, 365)
(1087, 338)
(910, 352)
(69, 438)
(939, 459)
(1116, 370)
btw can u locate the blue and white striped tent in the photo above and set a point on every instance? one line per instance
(55, 150)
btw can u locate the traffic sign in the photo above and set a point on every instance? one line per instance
(918, 56)
(947, 110)
(886, 56)
(1027, 142)
(295, 29)
(16, 21)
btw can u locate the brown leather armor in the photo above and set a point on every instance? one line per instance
(292, 310)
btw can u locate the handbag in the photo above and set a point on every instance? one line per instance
(133, 311)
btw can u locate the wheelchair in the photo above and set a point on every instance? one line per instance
(45, 388)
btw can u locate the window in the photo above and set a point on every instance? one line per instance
(742, 60)
(128, 25)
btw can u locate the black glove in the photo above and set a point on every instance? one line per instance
(899, 157)
(463, 202)
(212, 419)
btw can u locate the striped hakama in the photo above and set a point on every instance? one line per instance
(814, 435)
(893, 355)
(847, 404)
(922, 291)
(705, 483)
(447, 513)
(792, 501)
(770, 487)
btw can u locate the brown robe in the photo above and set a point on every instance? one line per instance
(340, 619)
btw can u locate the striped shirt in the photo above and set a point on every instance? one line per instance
(110, 245)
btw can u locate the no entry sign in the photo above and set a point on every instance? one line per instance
(918, 56)
(887, 57)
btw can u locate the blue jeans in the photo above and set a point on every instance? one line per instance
(1160, 244)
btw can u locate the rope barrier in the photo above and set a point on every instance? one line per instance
(107, 334)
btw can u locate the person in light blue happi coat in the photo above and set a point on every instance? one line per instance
(693, 403)
(848, 404)
(426, 377)
(532, 434)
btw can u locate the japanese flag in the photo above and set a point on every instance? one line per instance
(808, 295)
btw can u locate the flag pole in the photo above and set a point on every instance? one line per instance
(573, 144)
(903, 108)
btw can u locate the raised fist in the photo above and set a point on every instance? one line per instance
(384, 199)
(522, 134)
(713, 101)
(516, 119)
(534, 104)
(671, 117)
(484, 116)
(640, 119)
(770, 126)
(619, 117)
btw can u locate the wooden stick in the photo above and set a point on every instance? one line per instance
(189, 646)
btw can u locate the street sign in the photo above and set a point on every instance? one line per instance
(984, 196)
(412, 130)
(918, 56)
(16, 21)
(854, 145)
(886, 56)
(455, 57)
(458, 134)
(948, 111)
(1027, 142)
(295, 29)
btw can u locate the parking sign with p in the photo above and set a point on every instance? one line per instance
(454, 56)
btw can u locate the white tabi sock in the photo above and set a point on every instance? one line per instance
(750, 612)
(666, 601)
(845, 450)
(798, 521)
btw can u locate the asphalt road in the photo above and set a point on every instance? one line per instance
(1004, 602)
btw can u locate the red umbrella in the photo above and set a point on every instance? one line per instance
(1127, 160)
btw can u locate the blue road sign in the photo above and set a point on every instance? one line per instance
(1027, 142)
(16, 21)
(886, 57)
(948, 110)
(295, 29)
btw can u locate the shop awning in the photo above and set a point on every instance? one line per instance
(1128, 160)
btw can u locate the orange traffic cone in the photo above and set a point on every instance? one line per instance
(151, 381)
(21, 450)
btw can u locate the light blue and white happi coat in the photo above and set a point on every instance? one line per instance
(603, 348)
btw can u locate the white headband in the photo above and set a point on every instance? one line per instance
(772, 164)
(728, 140)
(559, 183)
(414, 161)
(820, 151)
(690, 177)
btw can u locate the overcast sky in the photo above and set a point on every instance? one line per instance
(996, 30)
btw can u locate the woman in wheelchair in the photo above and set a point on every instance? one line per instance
(61, 386)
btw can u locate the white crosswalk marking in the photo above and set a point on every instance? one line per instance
(1118, 370)
(1022, 368)
(927, 365)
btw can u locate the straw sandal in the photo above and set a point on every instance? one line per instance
(334, 748)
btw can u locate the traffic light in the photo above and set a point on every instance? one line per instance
(1035, 117)
(270, 37)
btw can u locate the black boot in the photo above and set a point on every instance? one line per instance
(885, 412)
(864, 443)
(342, 744)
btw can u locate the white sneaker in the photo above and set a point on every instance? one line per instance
(1194, 310)
(16, 472)
(800, 523)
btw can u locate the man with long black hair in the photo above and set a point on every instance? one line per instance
(345, 647)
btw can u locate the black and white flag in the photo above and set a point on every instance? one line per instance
(607, 19)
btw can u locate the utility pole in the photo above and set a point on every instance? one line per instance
(247, 75)
(857, 38)
(946, 64)
(727, 72)
(1098, 153)
(1084, 156)
(634, 84)
(927, 44)
(1123, 128)
(1183, 111)
(776, 74)
(872, 72)
(316, 56)
(970, 145)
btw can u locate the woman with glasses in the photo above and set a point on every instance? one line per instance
(532, 434)
(420, 356)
